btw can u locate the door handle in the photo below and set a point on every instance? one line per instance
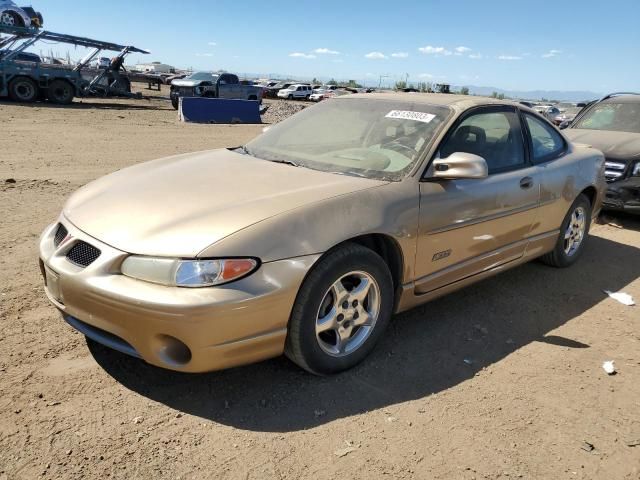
(526, 182)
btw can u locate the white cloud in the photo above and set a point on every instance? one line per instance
(425, 75)
(509, 57)
(475, 56)
(212, 44)
(326, 51)
(551, 53)
(204, 54)
(429, 50)
(375, 56)
(461, 50)
(400, 55)
(301, 55)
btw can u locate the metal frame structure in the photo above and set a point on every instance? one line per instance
(19, 39)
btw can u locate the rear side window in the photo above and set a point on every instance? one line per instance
(546, 142)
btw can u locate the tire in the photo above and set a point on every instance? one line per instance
(290, 97)
(175, 102)
(60, 92)
(314, 345)
(574, 226)
(23, 89)
(10, 19)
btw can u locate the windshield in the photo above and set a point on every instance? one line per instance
(371, 138)
(202, 76)
(617, 117)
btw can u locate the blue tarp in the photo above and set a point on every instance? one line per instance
(219, 110)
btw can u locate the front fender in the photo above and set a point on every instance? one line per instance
(391, 209)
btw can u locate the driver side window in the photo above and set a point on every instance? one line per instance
(494, 136)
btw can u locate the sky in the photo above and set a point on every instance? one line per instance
(513, 45)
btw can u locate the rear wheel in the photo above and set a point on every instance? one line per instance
(60, 92)
(290, 97)
(341, 311)
(23, 89)
(573, 235)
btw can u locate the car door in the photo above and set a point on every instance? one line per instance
(468, 226)
(550, 153)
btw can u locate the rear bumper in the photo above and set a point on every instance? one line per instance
(183, 329)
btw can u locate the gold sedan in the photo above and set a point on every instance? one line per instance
(307, 239)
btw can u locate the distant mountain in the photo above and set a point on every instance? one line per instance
(568, 96)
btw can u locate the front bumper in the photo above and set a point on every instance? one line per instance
(623, 195)
(183, 329)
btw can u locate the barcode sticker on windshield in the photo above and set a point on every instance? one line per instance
(408, 115)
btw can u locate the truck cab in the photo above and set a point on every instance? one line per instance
(213, 85)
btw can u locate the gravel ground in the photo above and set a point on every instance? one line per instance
(502, 380)
(280, 109)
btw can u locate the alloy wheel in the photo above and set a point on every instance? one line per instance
(7, 19)
(348, 313)
(574, 234)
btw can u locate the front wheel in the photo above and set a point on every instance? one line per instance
(175, 102)
(573, 235)
(10, 19)
(23, 89)
(341, 311)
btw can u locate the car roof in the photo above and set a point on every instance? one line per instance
(457, 102)
(623, 98)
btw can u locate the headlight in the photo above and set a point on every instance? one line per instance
(636, 170)
(188, 273)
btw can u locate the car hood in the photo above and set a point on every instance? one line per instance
(186, 83)
(618, 145)
(180, 205)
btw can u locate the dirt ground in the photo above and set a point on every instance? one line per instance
(502, 380)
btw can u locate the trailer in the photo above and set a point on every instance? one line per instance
(27, 81)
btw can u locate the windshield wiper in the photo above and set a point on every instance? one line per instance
(286, 162)
(245, 150)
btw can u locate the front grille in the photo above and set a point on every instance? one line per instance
(83, 254)
(185, 91)
(613, 170)
(60, 235)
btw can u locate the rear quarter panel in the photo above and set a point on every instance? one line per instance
(563, 180)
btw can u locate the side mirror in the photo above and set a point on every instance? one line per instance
(460, 165)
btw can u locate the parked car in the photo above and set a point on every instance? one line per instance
(613, 126)
(212, 85)
(103, 62)
(272, 91)
(325, 88)
(308, 238)
(547, 111)
(567, 116)
(316, 97)
(22, 56)
(13, 16)
(296, 91)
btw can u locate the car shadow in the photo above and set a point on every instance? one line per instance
(426, 350)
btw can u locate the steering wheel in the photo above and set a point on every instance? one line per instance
(401, 148)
